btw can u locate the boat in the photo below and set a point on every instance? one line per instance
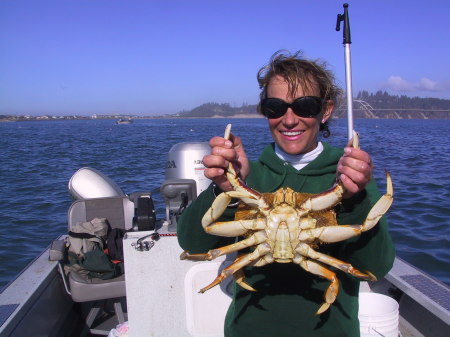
(124, 121)
(157, 295)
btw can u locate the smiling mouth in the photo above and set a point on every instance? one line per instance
(291, 133)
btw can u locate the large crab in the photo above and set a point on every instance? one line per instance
(284, 227)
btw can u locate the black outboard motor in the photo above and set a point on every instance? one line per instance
(184, 178)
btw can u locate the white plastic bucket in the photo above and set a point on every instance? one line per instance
(378, 315)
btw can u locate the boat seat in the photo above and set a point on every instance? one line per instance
(84, 289)
(119, 212)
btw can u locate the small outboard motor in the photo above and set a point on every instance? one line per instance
(184, 178)
(88, 183)
(185, 161)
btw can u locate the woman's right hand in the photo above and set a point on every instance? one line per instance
(223, 152)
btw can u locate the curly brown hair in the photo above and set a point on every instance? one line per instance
(297, 71)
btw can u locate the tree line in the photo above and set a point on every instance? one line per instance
(379, 100)
(382, 100)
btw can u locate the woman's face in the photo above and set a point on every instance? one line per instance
(294, 134)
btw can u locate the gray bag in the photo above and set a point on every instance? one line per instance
(87, 236)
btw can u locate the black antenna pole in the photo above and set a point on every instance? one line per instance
(348, 66)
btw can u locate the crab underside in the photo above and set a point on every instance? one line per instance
(285, 227)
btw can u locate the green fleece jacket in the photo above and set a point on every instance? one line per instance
(287, 296)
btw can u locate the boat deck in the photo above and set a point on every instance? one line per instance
(35, 303)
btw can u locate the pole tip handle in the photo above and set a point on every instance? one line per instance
(344, 18)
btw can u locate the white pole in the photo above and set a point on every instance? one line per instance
(348, 67)
(348, 82)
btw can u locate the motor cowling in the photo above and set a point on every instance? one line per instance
(185, 178)
(185, 161)
(88, 183)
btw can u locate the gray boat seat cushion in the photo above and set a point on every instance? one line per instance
(84, 289)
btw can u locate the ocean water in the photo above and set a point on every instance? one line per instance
(38, 159)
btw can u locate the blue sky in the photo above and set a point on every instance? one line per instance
(155, 57)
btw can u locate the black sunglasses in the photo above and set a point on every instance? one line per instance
(306, 106)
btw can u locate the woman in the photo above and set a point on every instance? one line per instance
(298, 98)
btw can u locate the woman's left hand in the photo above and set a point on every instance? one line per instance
(354, 169)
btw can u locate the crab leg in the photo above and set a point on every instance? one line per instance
(330, 234)
(266, 259)
(305, 250)
(254, 198)
(317, 269)
(324, 200)
(235, 228)
(239, 277)
(252, 240)
(381, 207)
(340, 233)
(332, 196)
(238, 264)
(219, 206)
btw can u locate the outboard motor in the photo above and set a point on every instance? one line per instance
(88, 183)
(185, 161)
(184, 178)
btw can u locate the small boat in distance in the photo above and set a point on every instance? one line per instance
(124, 121)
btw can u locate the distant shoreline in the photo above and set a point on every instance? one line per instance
(358, 114)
